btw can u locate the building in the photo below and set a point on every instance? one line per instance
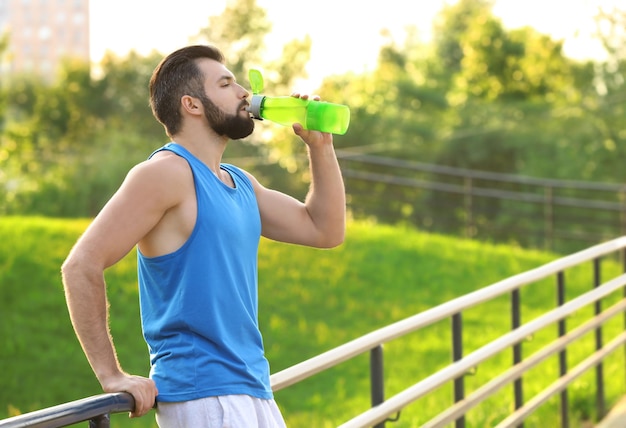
(42, 33)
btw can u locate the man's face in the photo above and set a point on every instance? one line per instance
(226, 109)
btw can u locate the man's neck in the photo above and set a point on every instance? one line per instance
(208, 149)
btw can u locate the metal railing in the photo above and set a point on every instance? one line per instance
(463, 364)
(552, 214)
(96, 409)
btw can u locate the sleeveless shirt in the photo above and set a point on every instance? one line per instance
(199, 304)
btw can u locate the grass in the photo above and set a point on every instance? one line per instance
(310, 301)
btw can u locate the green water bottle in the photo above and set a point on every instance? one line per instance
(312, 115)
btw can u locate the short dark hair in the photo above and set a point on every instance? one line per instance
(177, 75)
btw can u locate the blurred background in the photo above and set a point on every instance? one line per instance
(494, 120)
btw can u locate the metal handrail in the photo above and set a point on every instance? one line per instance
(95, 408)
(342, 353)
(382, 410)
(401, 400)
(458, 409)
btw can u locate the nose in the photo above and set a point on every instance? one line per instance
(245, 94)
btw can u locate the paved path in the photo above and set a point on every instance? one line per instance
(616, 417)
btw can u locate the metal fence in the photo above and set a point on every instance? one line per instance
(463, 364)
(557, 215)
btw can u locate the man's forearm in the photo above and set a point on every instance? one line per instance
(326, 201)
(88, 308)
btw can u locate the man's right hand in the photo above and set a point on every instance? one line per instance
(142, 389)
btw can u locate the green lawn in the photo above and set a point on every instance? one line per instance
(311, 301)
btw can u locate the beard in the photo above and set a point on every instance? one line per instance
(234, 126)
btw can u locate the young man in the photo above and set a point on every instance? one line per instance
(197, 224)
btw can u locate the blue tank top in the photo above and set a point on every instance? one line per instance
(199, 304)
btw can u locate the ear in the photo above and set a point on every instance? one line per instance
(191, 105)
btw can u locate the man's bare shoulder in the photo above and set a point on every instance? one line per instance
(163, 168)
(165, 180)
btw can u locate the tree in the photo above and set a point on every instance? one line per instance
(608, 108)
(124, 96)
(450, 28)
(504, 87)
(240, 33)
(4, 43)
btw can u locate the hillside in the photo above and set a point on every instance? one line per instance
(311, 300)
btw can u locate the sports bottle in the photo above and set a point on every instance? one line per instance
(312, 115)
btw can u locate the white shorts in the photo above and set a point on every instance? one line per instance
(227, 411)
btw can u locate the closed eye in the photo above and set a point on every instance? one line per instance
(226, 81)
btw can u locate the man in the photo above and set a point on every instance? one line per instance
(197, 223)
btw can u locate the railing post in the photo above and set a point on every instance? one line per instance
(560, 300)
(516, 321)
(624, 293)
(622, 213)
(377, 387)
(457, 354)
(469, 215)
(102, 421)
(600, 400)
(548, 215)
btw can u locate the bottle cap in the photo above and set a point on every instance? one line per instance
(255, 106)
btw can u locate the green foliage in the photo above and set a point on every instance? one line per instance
(477, 96)
(606, 112)
(4, 43)
(123, 96)
(239, 32)
(65, 146)
(56, 145)
(310, 301)
(484, 98)
(450, 28)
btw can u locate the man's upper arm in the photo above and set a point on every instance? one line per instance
(129, 215)
(283, 217)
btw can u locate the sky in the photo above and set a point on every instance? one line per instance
(346, 34)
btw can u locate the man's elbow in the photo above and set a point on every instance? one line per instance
(70, 269)
(332, 240)
(68, 266)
